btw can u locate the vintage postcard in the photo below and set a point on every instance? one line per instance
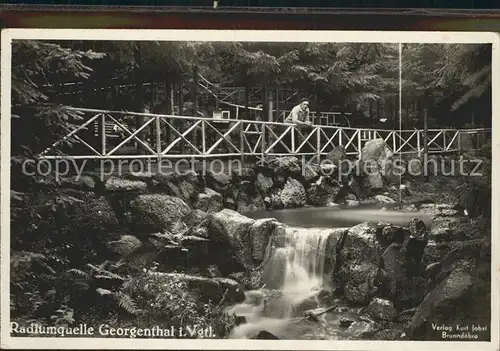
(200, 189)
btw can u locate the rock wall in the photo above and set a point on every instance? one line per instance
(193, 223)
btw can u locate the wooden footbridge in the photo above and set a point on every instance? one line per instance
(128, 135)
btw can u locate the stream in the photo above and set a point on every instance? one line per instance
(297, 277)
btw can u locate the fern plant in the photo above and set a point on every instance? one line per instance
(126, 302)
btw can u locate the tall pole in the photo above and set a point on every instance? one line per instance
(426, 151)
(400, 116)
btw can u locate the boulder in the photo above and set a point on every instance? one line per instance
(416, 243)
(239, 320)
(352, 203)
(359, 262)
(362, 242)
(438, 210)
(361, 282)
(252, 280)
(286, 166)
(209, 201)
(415, 167)
(355, 188)
(185, 186)
(389, 334)
(361, 328)
(376, 150)
(243, 173)
(410, 208)
(413, 291)
(122, 184)
(376, 161)
(440, 230)
(393, 234)
(381, 309)
(195, 217)
(214, 289)
(453, 291)
(233, 229)
(328, 170)
(293, 194)
(310, 173)
(351, 196)
(157, 212)
(275, 201)
(395, 269)
(337, 154)
(250, 202)
(322, 192)
(219, 181)
(92, 215)
(345, 322)
(230, 203)
(263, 183)
(260, 234)
(197, 223)
(383, 199)
(212, 271)
(265, 335)
(83, 182)
(374, 181)
(125, 246)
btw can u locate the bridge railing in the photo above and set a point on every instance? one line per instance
(126, 135)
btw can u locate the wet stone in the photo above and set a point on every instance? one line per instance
(345, 322)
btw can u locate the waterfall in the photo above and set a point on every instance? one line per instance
(304, 261)
(294, 276)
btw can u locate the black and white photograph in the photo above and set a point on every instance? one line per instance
(259, 189)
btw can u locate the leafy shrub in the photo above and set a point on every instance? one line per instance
(172, 301)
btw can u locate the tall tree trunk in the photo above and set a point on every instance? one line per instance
(172, 99)
(317, 120)
(426, 153)
(408, 116)
(277, 104)
(370, 110)
(247, 98)
(378, 110)
(195, 92)
(181, 123)
(139, 93)
(266, 102)
(181, 100)
(167, 110)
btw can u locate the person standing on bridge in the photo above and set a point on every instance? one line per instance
(299, 115)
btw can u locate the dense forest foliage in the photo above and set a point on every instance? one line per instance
(451, 81)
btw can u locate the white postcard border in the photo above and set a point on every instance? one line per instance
(238, 35)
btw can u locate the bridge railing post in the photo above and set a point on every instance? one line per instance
(292, 139)
(394, 142)
(359, 143)
(103, 133)
(203, 138)
(242, 141)
(318, 143)
(158, 140)
(263, 142)
(418, 144)
(459, 143)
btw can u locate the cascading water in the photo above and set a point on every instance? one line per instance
(294, 276)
